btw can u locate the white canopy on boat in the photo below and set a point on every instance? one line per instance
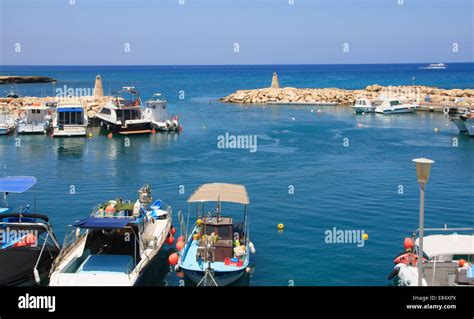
(215, 192)
(34, 107)
(452, 244)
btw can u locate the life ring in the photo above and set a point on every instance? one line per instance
(407, 258)
(446, 110)
(22, 114)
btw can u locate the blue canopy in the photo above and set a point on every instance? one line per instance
(16, 184)
(102, 222)
(70, 109)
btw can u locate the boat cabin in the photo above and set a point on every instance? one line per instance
(222, 228)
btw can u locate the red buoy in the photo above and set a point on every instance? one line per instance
(181, 238)
(169, 240)
(179, 245)
(462, 262)
(173, 230)
(408, 243)
(173, 259)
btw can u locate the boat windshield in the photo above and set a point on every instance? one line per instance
(71, 117)
(394, 103)
(128, 114)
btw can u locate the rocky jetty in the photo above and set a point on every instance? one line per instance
(7, 79)
(417, 93)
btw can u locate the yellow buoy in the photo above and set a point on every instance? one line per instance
(281, 226)
(90, 134)
(199, 222)
(365, 236)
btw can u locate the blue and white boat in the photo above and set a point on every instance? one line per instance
(217, 251)
(70, 120)
(114, 245)
(28, 244)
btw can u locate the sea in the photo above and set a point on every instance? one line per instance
(315, 169)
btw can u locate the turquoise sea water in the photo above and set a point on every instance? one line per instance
(355, 187)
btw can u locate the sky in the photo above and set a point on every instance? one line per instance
(208, 32)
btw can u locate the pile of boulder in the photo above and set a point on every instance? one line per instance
(417, 93)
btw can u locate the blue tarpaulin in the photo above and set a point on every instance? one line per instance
(16, 184)
(102, 222)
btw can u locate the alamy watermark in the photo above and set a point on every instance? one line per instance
(66, 91)
(230, 141)
(345, 236)
(18, 237)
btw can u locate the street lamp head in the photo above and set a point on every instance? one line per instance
(423, 169)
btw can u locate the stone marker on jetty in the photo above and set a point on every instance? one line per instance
(431, 97)
(98, 89)
(275, 83)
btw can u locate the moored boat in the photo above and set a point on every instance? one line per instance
(115, 244)
(363, 105)
(156, 111)
(34, 119)
(69, 120)
(124, 115)
(217, 251)
(448, 259)
(394, 106)
(7, 124)
(28, 246)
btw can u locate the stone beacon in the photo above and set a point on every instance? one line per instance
(98, 89)
(275, 83)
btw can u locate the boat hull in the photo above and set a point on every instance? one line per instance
(460, 124)
(32, 128)
(70, 131)
(396, 111)
(129, 128)
(5, 130)
(469, 123)
(221, 278)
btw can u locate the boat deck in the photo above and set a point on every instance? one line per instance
(442, 274)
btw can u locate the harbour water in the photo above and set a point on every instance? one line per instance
(314, 168)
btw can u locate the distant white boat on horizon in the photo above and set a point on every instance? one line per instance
(435, 66)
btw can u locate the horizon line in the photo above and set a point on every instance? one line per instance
(251, 64)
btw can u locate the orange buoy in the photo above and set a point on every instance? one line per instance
(110, 135)
(169, 240)
(408, 243)
(173, 259)
(462, 262)
(179, 245)
(172, 230)
(153, 131)
(181, 238)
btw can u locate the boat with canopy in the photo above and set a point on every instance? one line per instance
(217, 250)
(28, 244)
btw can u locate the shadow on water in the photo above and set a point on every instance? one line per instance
(69, 147)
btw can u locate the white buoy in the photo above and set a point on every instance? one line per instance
(436, 130)
(252, 247)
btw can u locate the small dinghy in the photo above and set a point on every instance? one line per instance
(29, 246)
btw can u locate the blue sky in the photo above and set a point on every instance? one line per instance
(163, 32)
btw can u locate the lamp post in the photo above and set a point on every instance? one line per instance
(422, 172)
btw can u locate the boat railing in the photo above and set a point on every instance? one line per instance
(444, 229)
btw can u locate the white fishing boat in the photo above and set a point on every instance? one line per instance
(123, 114)
(34, 119)
(436, 66)
(394, 106)
(363, 105)
(217, 251)
(69, 120)
(156, 112)
(114, 245)
(448, 259)
(7, 124)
